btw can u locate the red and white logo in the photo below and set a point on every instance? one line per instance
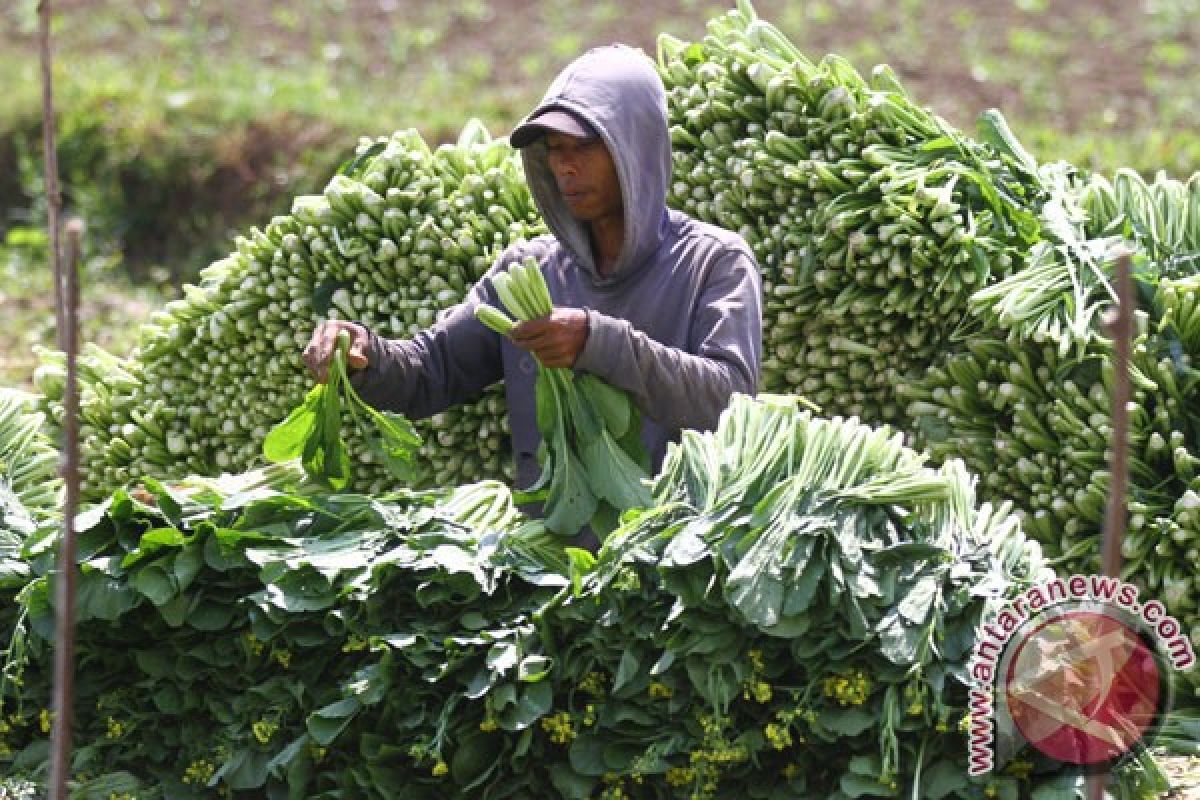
(1077, 668)
(1083, 687)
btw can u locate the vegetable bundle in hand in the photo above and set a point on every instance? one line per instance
(313, 430)
(593, 465)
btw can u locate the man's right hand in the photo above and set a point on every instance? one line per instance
(319, 352)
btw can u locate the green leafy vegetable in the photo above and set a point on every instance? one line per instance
(594, 464)
(312, 431)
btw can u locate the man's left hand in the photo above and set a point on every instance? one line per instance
(556, 339)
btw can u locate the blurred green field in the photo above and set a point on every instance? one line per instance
(182, 122)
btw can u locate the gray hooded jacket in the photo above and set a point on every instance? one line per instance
(677, 323)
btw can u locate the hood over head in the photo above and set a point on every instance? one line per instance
(617, 91)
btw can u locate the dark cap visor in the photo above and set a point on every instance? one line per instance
(555, 120)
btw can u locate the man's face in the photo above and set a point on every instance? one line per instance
(586, 176)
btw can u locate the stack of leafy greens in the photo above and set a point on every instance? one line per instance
(873, 220)
(402, 232)
(29, 492)
(1027, 403)
(789, 618)
(236, 635)
(29, 482)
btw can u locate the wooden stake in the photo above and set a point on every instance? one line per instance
(64, 619)
(50, 170)
(1121, 328)
(66, 313)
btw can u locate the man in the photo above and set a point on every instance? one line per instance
(646, 298)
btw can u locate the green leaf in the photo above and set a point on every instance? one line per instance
(898, 642)
(611, 404)
(755, 586)
(210, 616)
(943, 778)
(918, 602)
(865, 765)
(286, 758)
(156, 584)
(331, 462)
(287, 439)
(803, 589)
(166, 501)
(569, 784)
(613, 475)
(688, 545)
(187, 565)
(584, 425)
(587, 755)
(534, 702)
(859, 786)
(168, 699)
(174, 612)
(155, 663)
(1065, 787)
(326, 724)
(627, 670)
(570, 503)
(300, 590)
(103, 787)
(848, 721)
(580, 563)
(503, 696)
(100, 596)
(152, 542)
(475, 760)
(247, 770)
(391, 437)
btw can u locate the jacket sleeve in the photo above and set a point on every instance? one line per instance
(689, 389)
(451, 362)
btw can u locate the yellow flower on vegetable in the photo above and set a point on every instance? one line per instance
(253, 643)
(759, 691)
(680, 776)
(559, 726)
(778, 736)
(593, 684)
(850, 689)
(199, 772)
(263, 730)
(354, 643)
(440, 768)
(115, 729)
